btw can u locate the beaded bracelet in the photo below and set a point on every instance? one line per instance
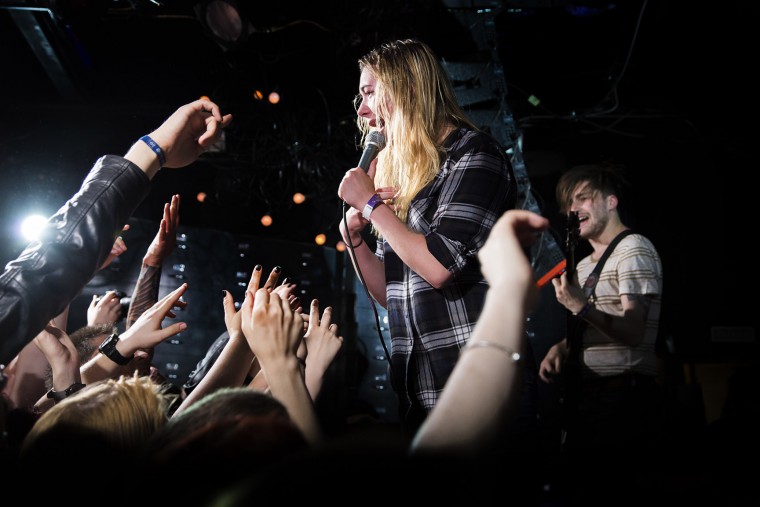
(514, 356)
(156, 148)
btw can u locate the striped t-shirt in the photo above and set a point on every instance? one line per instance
(633, 268)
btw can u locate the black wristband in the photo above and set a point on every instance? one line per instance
(61, 395)
(108, 349)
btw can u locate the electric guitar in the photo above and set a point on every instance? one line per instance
(571, 242)
(572, 367)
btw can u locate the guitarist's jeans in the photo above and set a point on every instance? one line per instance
(618, 414)
(610, 447)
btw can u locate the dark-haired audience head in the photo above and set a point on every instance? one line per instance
(223, 437)
(218, 406)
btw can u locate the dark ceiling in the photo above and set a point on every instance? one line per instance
(666, 87)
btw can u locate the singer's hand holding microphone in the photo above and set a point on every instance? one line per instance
(357, 186)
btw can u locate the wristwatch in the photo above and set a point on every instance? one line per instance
(373, 203)
(108, 349)
(60, 395)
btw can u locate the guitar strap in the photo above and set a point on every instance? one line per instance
(578, 325)
(589, 286)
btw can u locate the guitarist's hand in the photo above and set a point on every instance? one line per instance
(551, 366)
(569, 295)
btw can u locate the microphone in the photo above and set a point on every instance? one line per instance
(374, 143)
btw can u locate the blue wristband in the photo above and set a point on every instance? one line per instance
(155, 147)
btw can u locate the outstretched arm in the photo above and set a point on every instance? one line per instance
(63, 357)
(481, 391)
(145, 334)
(78, 238)
(31, 365)
(233, 363)
(322, 345)
(182, 138)
(146, 289)
(274, 331)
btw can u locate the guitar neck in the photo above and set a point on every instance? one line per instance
(573, 232)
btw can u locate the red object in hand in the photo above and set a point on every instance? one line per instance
(552, 273)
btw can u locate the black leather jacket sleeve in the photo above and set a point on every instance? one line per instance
(50, 272)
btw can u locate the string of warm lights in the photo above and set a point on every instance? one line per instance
(274, 159)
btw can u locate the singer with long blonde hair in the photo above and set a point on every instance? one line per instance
(432, 195)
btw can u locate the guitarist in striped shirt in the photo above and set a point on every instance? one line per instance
(618, 401)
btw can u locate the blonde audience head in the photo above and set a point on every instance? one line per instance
(125, 412)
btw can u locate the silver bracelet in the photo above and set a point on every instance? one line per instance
(514, 356)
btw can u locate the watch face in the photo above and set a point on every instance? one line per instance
(55, 395)
(108, 344)
(61, 395)
(108, 349)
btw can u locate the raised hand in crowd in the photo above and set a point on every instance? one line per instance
(235, 360)
(274, 332)
(145, 293)
(322, 345)
(182, 138)
(63, 357)
(287, 291)
(117, 359)
(166, 238)
(104, 309)
(482, 391)
(74, 240)
(118, 248)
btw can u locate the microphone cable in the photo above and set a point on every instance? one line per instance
(372, 301)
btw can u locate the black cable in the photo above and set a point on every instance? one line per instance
(350, 247)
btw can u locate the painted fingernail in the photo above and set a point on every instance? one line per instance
(224, 293)
(258, 267)
(277, 269)
(285, 281)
